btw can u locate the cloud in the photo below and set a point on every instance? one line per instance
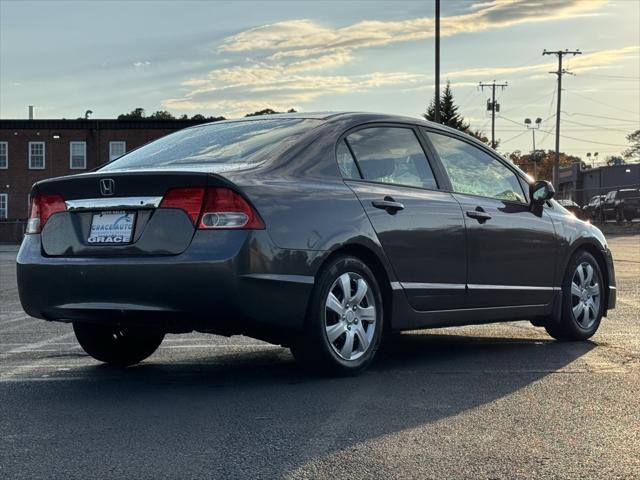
(289, 63)
(141, 64)
(236, 92)
(581, 63)
(298, 38)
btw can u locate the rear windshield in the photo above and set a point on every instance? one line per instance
(235, 144)
(628, 193)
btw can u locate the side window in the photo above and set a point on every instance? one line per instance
(346, 163)
(391, 155)
(475, 172)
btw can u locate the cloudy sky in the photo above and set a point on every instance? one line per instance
(231, 58)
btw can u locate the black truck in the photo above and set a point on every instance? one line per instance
(623, 204)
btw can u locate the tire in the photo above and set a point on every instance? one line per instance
(117, 346)
(619, 215)
(582, 300)
(352, 320)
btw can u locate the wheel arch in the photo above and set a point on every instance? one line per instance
(596, 252)
(377, 265)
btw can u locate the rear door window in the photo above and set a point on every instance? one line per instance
(391, 155)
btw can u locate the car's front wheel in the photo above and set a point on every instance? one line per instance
(582, 300)
(118, 346)
(344, 323)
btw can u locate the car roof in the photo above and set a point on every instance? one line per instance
(330, 116)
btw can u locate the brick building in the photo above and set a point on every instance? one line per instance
(32, 150)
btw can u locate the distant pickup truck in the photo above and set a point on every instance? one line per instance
(623, 204)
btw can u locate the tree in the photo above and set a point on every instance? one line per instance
(267, 111)
(136, 114)
(544, 160)
(615, 160)
(449, 115)
(633, 152)
(161, 115)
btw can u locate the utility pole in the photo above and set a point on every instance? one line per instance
(493, 106)
(437, 97)
(528, 123)
(559, 72)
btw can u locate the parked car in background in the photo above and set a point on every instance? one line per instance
(591, 210)
(320, 232)
(572, 206)
(623, 204)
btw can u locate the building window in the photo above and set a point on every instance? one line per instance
(36, 155)
(4, 155)
(4, 206)
(116, 149)
(77, 155)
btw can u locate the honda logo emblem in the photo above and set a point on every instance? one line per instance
(107, 186)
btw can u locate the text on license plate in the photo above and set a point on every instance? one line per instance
(111, 227)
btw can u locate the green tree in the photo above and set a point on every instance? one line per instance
(449, 115)
(615, 160)
(161, 115)
(135, 114)
(267, 111)
(633, 152)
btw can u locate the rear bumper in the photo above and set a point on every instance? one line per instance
(225, 282)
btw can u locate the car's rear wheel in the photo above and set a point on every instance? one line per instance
(619, 215)
(118, 346)
(582, 300)
(344, 323)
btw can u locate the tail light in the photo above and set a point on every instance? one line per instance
(42, 207)
(213, 208)
(187, 199)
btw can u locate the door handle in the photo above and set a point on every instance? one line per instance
(479, 214)
(388, 204)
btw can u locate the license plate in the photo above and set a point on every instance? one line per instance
(111, 228)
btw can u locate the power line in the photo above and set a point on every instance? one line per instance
(603, 103)
(599, 127)
(502, 142)
(560, 54)
(637, 121)
(589, 141)
(614, 77)
(517, 107)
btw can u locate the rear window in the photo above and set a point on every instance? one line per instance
(627, 193)
(234, 144)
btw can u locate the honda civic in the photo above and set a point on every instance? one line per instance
(319, 232)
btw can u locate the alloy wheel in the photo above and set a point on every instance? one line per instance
(350, 316)
(585, 295)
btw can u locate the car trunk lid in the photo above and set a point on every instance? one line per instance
(118, 213)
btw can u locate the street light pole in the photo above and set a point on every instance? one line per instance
(436, 104)
(527, 122)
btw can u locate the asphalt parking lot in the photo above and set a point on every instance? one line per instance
(495, 401)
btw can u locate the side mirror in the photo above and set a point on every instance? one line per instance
(541, 191)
